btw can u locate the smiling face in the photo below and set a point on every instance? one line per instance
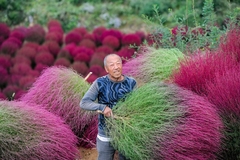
(113, 66)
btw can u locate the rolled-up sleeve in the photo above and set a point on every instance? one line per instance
(88, 102)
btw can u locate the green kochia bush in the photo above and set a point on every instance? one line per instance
(153, 64)
(164, 121)
(29, 132)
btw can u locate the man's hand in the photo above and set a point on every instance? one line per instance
(108, 112)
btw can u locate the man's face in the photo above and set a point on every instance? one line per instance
(114, 66)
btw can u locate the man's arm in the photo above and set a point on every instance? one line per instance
(88, 100)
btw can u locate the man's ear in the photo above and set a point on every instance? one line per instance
(106, 69)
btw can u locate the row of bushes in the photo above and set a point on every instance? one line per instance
(26, 51)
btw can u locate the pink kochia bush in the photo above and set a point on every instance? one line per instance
(164, 121)
(59, 90)
(29, 132)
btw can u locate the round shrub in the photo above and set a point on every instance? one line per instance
(70, 48)
(9, 47)
(63, 53)
(62, 62)
(97, 59)
(4, 30)
(40, 67)
(15, 40)
(59, 90)
(164, 121)
(54, 36)
(20, 68)
(21, 59)
(131, 39)
(81, 30)
(73, 37)
(9, 91)
(104, 49)
(27, 51)
(5, 61)
(35, 34)
(112, 32)
(111, 41)
(88, 43)
(54, 23)
(4, 77)
(45, 58)
(196, 71)
(82, 53)
(126, 53)
(18, 34)
(80, 67)
(53, 47)
(90, 36)
(92, 78)
(153, 64)
(28, 132)
(96, 70)
(97, 32)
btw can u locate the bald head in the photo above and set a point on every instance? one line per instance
(113, 55)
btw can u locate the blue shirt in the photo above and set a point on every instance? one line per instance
(107, 93)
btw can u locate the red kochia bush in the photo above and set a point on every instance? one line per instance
(131, 39)
(4, 76)
(230, 44)
(96, 70)
(5, 61)
(88, 43)
(10, 90)
(62, 62)
(29, 132)
(4, 30)
(59, 90)
(20, 68)
(9, 47)
(81, 30)
(21, 59)
(104, 49)
(44, 58)
(80, 67)
(53, 47)
(224, 92)
(97, 32)
(195, 72)
(54, 36)
(27, 51)
(73, 37)
(35, 34)
(111, 41)
(63, 53)
(97, 59)
(82, 53)
(18, 34)
(54, 23)
(112, 32)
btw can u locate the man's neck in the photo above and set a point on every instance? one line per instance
(116, 79)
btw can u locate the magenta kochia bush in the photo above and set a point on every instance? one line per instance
(73, 37)
(230, 44)
(4, 30)
(29, 132)
(164, 121)
(223, 91)
(59, 90)
(35, 34)
(197, 71)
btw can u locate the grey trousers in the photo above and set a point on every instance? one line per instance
(106, 151)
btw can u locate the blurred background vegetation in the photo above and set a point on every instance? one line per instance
(123, 14)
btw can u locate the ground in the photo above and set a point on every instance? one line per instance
(90, 154)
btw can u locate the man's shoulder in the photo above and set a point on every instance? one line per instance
(130, 78)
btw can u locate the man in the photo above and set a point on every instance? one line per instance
(108, 90)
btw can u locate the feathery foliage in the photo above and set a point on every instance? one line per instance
(164, 121)
(29, 132)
